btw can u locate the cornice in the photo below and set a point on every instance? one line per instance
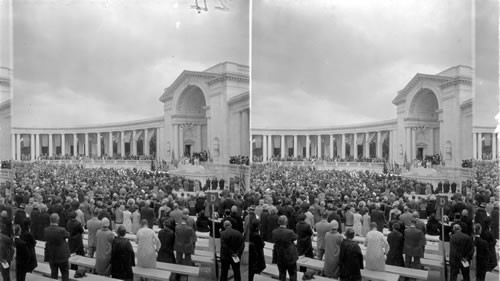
(414, 81)
(466, 103)
(5, 104)
(460, 80)
(241, 97)
(121, 126)
(231, 77)
(168, 92)
(387, 125)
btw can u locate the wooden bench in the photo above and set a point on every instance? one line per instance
(402, 271)
(258, 277)
(272, 270)
(44, 269)
(150, 273)
(37, 277)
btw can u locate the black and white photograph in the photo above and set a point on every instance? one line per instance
(175, 140)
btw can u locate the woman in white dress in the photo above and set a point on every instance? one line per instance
(147, 246)
(376, 248)
(127, 219)
(357, 226)
(136, 220)
(366, 222)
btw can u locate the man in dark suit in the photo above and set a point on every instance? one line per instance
(147, 213)
(221, 184)
(183, 242)
(231, 248)
(285, 252)
(378, 217)
(461, 252)
(56, 248)
(214, 183)
(396, 245)
(413, 245)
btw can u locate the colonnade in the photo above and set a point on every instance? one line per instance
(33, 145)
(345, 146)
(485, 145)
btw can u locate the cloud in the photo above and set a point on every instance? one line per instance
(354, 55)
(116, 55)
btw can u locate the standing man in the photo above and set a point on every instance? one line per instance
(414, 243)
(231, 248)
(56, 248)
(333, 239)
(183, 242)
(461, 252)
(351, 258)
(322, 227)
(285, 252)
(378, 217)
(93, 225)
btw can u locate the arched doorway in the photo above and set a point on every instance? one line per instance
(423, 119)
(191, 118)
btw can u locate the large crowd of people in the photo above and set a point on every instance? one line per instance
(285, 205)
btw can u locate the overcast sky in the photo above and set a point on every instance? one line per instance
(331, 62)
(91, 62)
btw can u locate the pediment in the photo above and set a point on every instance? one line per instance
(185, 75)
(401, 96)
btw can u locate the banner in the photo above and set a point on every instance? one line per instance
(258, 141)
(276, 141)
(139, 135)
(360, 139)
(384, 135)
(151, 133)
(128, 136)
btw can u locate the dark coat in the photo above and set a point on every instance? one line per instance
(490, 239)
(284, 251)
(44, 221)
(147, 213)
(335, 216)
(414, 240)
(75, 240)
(257, 262)
(304, 243)
(203, 224)
(480, 217)
(122, 259)
(461, 247)
(378, 217)
(482, 254)
(22, 255)
(264, 216)
(184, 238)
(231, 243)
(272, 224)
(27, 237)
(396, 244)
(167, 240)
(56, 248)
(351, 260)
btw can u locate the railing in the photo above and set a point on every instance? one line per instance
(330, 164)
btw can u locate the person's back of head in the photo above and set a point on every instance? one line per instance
(456, 228)
(54, 218)
(349, 233)
(282, 220)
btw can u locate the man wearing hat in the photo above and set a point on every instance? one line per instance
(285, 251)
(481, 215)
(396, 244)
(414, 243)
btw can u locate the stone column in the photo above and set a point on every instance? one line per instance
(413, 144)
(122, 143)
(355, 146)
(201, 139)
(134, 144)
(18, 147)
(146, 143)
(379, 145)
(75, 145)
(175, 142)
(264, 148)
(391, 144)
(181, 141)
(366, 151)
(474, 145)
(319, 146)
(343, 147)
(51, 144)
(159, 140)
(87, 144)
(63, 144)
(494, 146)
(295, 146)
(110, 144)
(408, 144)
(331, 146)
(308, 142)
(283, 146)
(37, 145)
(480, 146)
(431, 136)
(246, 132)
(98, 144)
(32, 146)
(13, 143)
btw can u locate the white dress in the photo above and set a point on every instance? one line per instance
(366, 224)
(136, 221)
(147, 243)
(357, 224)
(376, 247)
(127, 220)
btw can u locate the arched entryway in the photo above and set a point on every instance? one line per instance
(423, 121)
(192, 122)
